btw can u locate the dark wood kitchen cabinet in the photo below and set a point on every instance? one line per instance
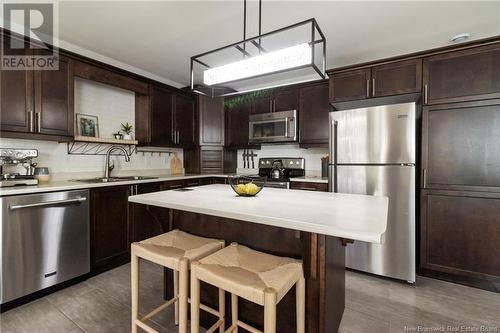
(350, 85)
(276, 100)
(460, 236)
(109, 227)
(472, 74)
(144, 219)
(309, 186)
(237, 122)
(402, 77)
(185, 120)
(313, 115)
(162, 117)
(211, 114)
(460, 146)
(54, 100)
(38, 102)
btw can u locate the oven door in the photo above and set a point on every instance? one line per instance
(273, 127)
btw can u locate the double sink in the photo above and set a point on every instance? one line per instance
(114, 179)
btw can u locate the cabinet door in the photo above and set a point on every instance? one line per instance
(397, 78)
(463, 75)
(460, 233)
(309, 186)
(313, 114)
(262, 104)
(237, 125)
(109, 226)
(162, 133)
(351, 85)
(54, 106)
(285, 100)
(211, 111)
(460, 147)
(16, 98)
(185, 121)
(146, 224)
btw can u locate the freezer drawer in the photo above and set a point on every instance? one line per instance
(44, 241)
(396, 256)
(374, 135)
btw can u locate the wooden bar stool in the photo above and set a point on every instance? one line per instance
(174, 250)
(258, 277)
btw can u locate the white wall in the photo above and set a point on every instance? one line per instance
(312, 155)
(112, 106)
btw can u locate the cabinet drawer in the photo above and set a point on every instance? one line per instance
(173, 184)
(309, 186)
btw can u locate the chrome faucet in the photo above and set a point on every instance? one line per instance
(108, 168)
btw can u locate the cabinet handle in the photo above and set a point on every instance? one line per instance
(426, 87)
(308, 188)
(177, 137)
(274, 105)
(373, 87)
(30, 120)
(367, 88)
(271, 105)
(175, 186)
(38, 122)
(424, 178)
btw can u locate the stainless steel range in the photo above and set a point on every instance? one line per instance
(11, 158)
(279, 170)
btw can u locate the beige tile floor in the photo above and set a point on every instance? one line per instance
(101, 304)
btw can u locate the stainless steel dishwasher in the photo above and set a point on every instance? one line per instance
(44, 241)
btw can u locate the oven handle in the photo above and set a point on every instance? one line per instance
(48, 203)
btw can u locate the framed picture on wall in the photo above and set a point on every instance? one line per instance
(87, 125)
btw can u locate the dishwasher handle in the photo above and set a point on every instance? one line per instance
(48, 203)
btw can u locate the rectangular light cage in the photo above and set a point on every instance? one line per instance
(292, 54)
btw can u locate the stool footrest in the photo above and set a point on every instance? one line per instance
(160, 308)
(247, 327)
(215, 326)
(145, 327)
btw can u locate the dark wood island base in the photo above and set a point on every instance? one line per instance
(323, 258)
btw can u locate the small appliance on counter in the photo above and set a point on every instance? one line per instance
(11, 158)
(278, 171)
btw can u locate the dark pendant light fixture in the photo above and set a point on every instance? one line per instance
(293, 54)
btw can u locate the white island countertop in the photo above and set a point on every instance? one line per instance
(351, 216)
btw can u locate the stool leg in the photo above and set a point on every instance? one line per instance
(134, 267)
(300, 301)
(270, 310)
(234, 312)
(183, 294)
(222, 309)
(195, 304)
(176, 294)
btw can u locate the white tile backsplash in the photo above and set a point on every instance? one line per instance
(113, 106)
(312, 155)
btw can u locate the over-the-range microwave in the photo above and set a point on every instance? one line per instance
(273, 127)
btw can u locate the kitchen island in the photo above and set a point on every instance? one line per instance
(312, 226)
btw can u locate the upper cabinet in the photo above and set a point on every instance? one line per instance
(471, 74)
(185, 120)
(211, 113)
(394, 78)
(38, 104)
(281, 99)
(313, 116)
(162, 117)
(351, 85)
(237, 121)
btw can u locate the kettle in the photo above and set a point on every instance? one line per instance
(276, 174)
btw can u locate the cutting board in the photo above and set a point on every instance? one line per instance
(175, 165)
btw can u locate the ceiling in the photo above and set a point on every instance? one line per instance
(159, 37)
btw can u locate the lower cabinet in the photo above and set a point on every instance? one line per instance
(460, 236)
(109, 226)
(309, 186)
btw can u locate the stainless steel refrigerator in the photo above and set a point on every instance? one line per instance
(372, 151)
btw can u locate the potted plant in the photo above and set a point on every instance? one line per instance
(127, 130)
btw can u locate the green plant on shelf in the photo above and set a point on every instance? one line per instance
(248, 98)
(126, 128)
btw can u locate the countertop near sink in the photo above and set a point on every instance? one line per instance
(68, 185)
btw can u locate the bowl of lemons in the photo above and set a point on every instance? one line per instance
(247, 186)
